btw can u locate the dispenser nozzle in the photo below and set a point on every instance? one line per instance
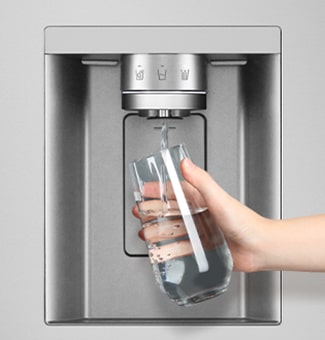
(163, 113)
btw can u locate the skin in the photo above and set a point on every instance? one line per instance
(258, 243)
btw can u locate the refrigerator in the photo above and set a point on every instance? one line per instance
(33, 31)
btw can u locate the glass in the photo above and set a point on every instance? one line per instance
(190, 258)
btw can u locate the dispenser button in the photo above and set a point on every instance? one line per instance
(139, 73)
(185, 73)
(162, 72)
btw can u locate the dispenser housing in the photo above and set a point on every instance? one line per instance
(96, 268)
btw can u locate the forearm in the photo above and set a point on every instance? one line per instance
(294, 244)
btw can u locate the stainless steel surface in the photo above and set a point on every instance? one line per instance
(228, 62)
(166, 100)
(163, 72)
(90, 276)
(205, 39)
(22, 148)
(163, 81)
(99, 62)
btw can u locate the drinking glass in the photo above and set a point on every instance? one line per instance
(189, 255)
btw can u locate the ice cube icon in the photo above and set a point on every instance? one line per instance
(185, 73)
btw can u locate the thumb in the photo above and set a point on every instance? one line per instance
(214, 196)
(232, 216)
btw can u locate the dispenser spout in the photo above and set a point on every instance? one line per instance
(163, 113)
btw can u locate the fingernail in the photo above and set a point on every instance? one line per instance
(188, 163)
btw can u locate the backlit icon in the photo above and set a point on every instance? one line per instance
(162, 72)
(185, 73)
(139, 73)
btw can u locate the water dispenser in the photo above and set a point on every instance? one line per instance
(108, 91)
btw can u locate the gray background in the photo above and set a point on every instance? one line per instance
(21, 151)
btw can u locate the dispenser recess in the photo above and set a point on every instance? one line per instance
(96, 270)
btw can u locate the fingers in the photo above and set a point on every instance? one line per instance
(167, 238)
(154, 190)
(212, 193)
(230, 215)
(155, 208)
(164, 230)
(201, 190)
(135, 211)
(170, 251)
(141, 235)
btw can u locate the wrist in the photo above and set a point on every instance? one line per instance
(266, 251)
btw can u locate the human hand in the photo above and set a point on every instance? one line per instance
(256, 243)
(242, 227)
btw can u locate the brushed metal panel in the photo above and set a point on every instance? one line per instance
(65, 97)
(158, 39)
(89, 278)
